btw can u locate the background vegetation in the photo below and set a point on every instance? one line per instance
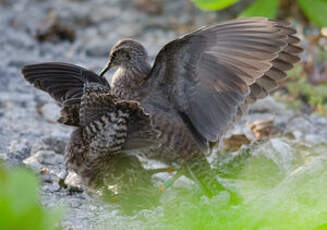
(306, 89)
(314, 10)
(20, 206)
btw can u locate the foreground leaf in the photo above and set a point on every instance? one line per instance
(214, 4)
(19, 203)
(315, 10)
(264, 8)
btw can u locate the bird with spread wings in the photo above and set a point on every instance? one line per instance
(175, 110)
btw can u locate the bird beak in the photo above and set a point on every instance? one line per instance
(106, 69)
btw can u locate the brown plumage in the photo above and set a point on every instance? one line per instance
(198, 86)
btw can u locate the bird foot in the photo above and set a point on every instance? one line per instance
(70, 188)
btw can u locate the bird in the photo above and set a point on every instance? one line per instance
(176, 110)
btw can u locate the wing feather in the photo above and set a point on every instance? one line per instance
(210, 75)
(62, 81)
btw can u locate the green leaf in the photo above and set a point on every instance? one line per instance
(264, 8)
(23, 184)
(315, 10)
(20, 206)
(214, 4)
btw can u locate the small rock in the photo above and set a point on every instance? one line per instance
(49, 111)
(267, 104)
(315, 139)
(297, 134)
(53, 30)
(44, 171)
(48, 178)
(43, 157)
(75, 203)
(279, 151)
(263, 128)
(95, 48)
(149, 6)
(53, 143)
(3, 156)
(300, 123)
(56, 143)
(19, 149)
(33, 163)
(234, 142)
(130, 30)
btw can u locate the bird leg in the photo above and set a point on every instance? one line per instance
(205, 177)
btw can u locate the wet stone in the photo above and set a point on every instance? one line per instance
(20, 150)
(54, 143)
(53, 30)
(44, 158)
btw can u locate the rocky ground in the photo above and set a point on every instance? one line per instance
(84, 32)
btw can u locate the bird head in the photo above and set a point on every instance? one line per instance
(126, 53)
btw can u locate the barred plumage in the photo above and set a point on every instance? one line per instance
(199, 85)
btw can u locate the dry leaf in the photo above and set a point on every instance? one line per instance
(234, 142)
(263, 128)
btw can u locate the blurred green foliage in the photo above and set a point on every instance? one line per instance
(315, 10)
(301, 91)
(274, 199)
(20, 206)
(264, 8)
(214, 4)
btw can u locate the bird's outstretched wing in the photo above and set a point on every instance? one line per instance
(62, 81)
(65, 83)
(209, 74)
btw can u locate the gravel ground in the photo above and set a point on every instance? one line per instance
(28, 132)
